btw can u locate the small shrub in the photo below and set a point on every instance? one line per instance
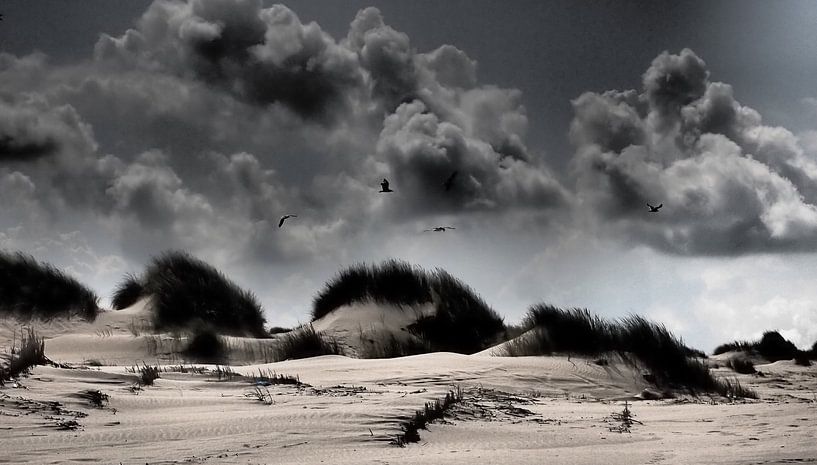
(278, 330)
(305, 342)
(31, 289)
(741, 364)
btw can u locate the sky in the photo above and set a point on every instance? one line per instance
(132, 128)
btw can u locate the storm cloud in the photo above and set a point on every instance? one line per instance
(729, 184)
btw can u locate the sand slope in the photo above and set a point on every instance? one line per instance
(527, 410)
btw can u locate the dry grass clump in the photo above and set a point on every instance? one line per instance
(20, 359)
(431, 411)
(462, 321)
(387, 345)
(305, 342)
(95, 397)
(147, 373)
(185, 290)
(741, 364)
(206, 346)
(644, 343)
(29, 288)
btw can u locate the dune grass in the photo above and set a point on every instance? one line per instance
(772, 346)
(644, 343)
(29, 288)
(186, 291)
(305, 342)
(462, 321)
(20, 359)
(206, 346)
(430, 412)
(741, 364)
(393, 281)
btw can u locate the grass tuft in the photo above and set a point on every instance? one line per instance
(147, 374)
(20, 359)
(305, 342)
(431, 411)
(29, 289)
(740, 363)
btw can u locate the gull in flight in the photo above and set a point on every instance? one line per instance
(449, 183)
(284, 218)
(655, 209)
(384, 186)
(439, 229)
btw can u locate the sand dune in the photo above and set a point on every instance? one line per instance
(529, 410)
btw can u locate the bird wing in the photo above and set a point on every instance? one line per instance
(659, 205)
(281, 221)
(651, 207)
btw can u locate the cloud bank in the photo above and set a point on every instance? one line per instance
(209, 119)
(729, 184)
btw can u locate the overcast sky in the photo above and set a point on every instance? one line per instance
(130, 128)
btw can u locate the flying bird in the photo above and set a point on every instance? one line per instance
(655, 209)
(449, 183)
(439, 229)
(384, 186)
(284, 218)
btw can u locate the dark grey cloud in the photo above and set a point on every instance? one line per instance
(263, 55)
(729, 184)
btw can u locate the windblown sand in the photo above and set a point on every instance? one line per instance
(527, 410)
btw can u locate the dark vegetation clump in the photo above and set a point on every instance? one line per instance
(646, 344)
(147, 373)
(30, 289)
(186, 290)
(20, 359)
(431, 411)
(95, 397)
(462, 321)
(734, 346)
(390, 346)
(393, 282)
(127, 292)
(305, 342)
(741, 364)
(278, 330)
(772, 347)
(206, 346)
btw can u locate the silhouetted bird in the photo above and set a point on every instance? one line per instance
(655, 209)
(439, 229)
(449, 183)
(284, 218)
(384, 186)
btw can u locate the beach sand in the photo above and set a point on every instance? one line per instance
(524, 410)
